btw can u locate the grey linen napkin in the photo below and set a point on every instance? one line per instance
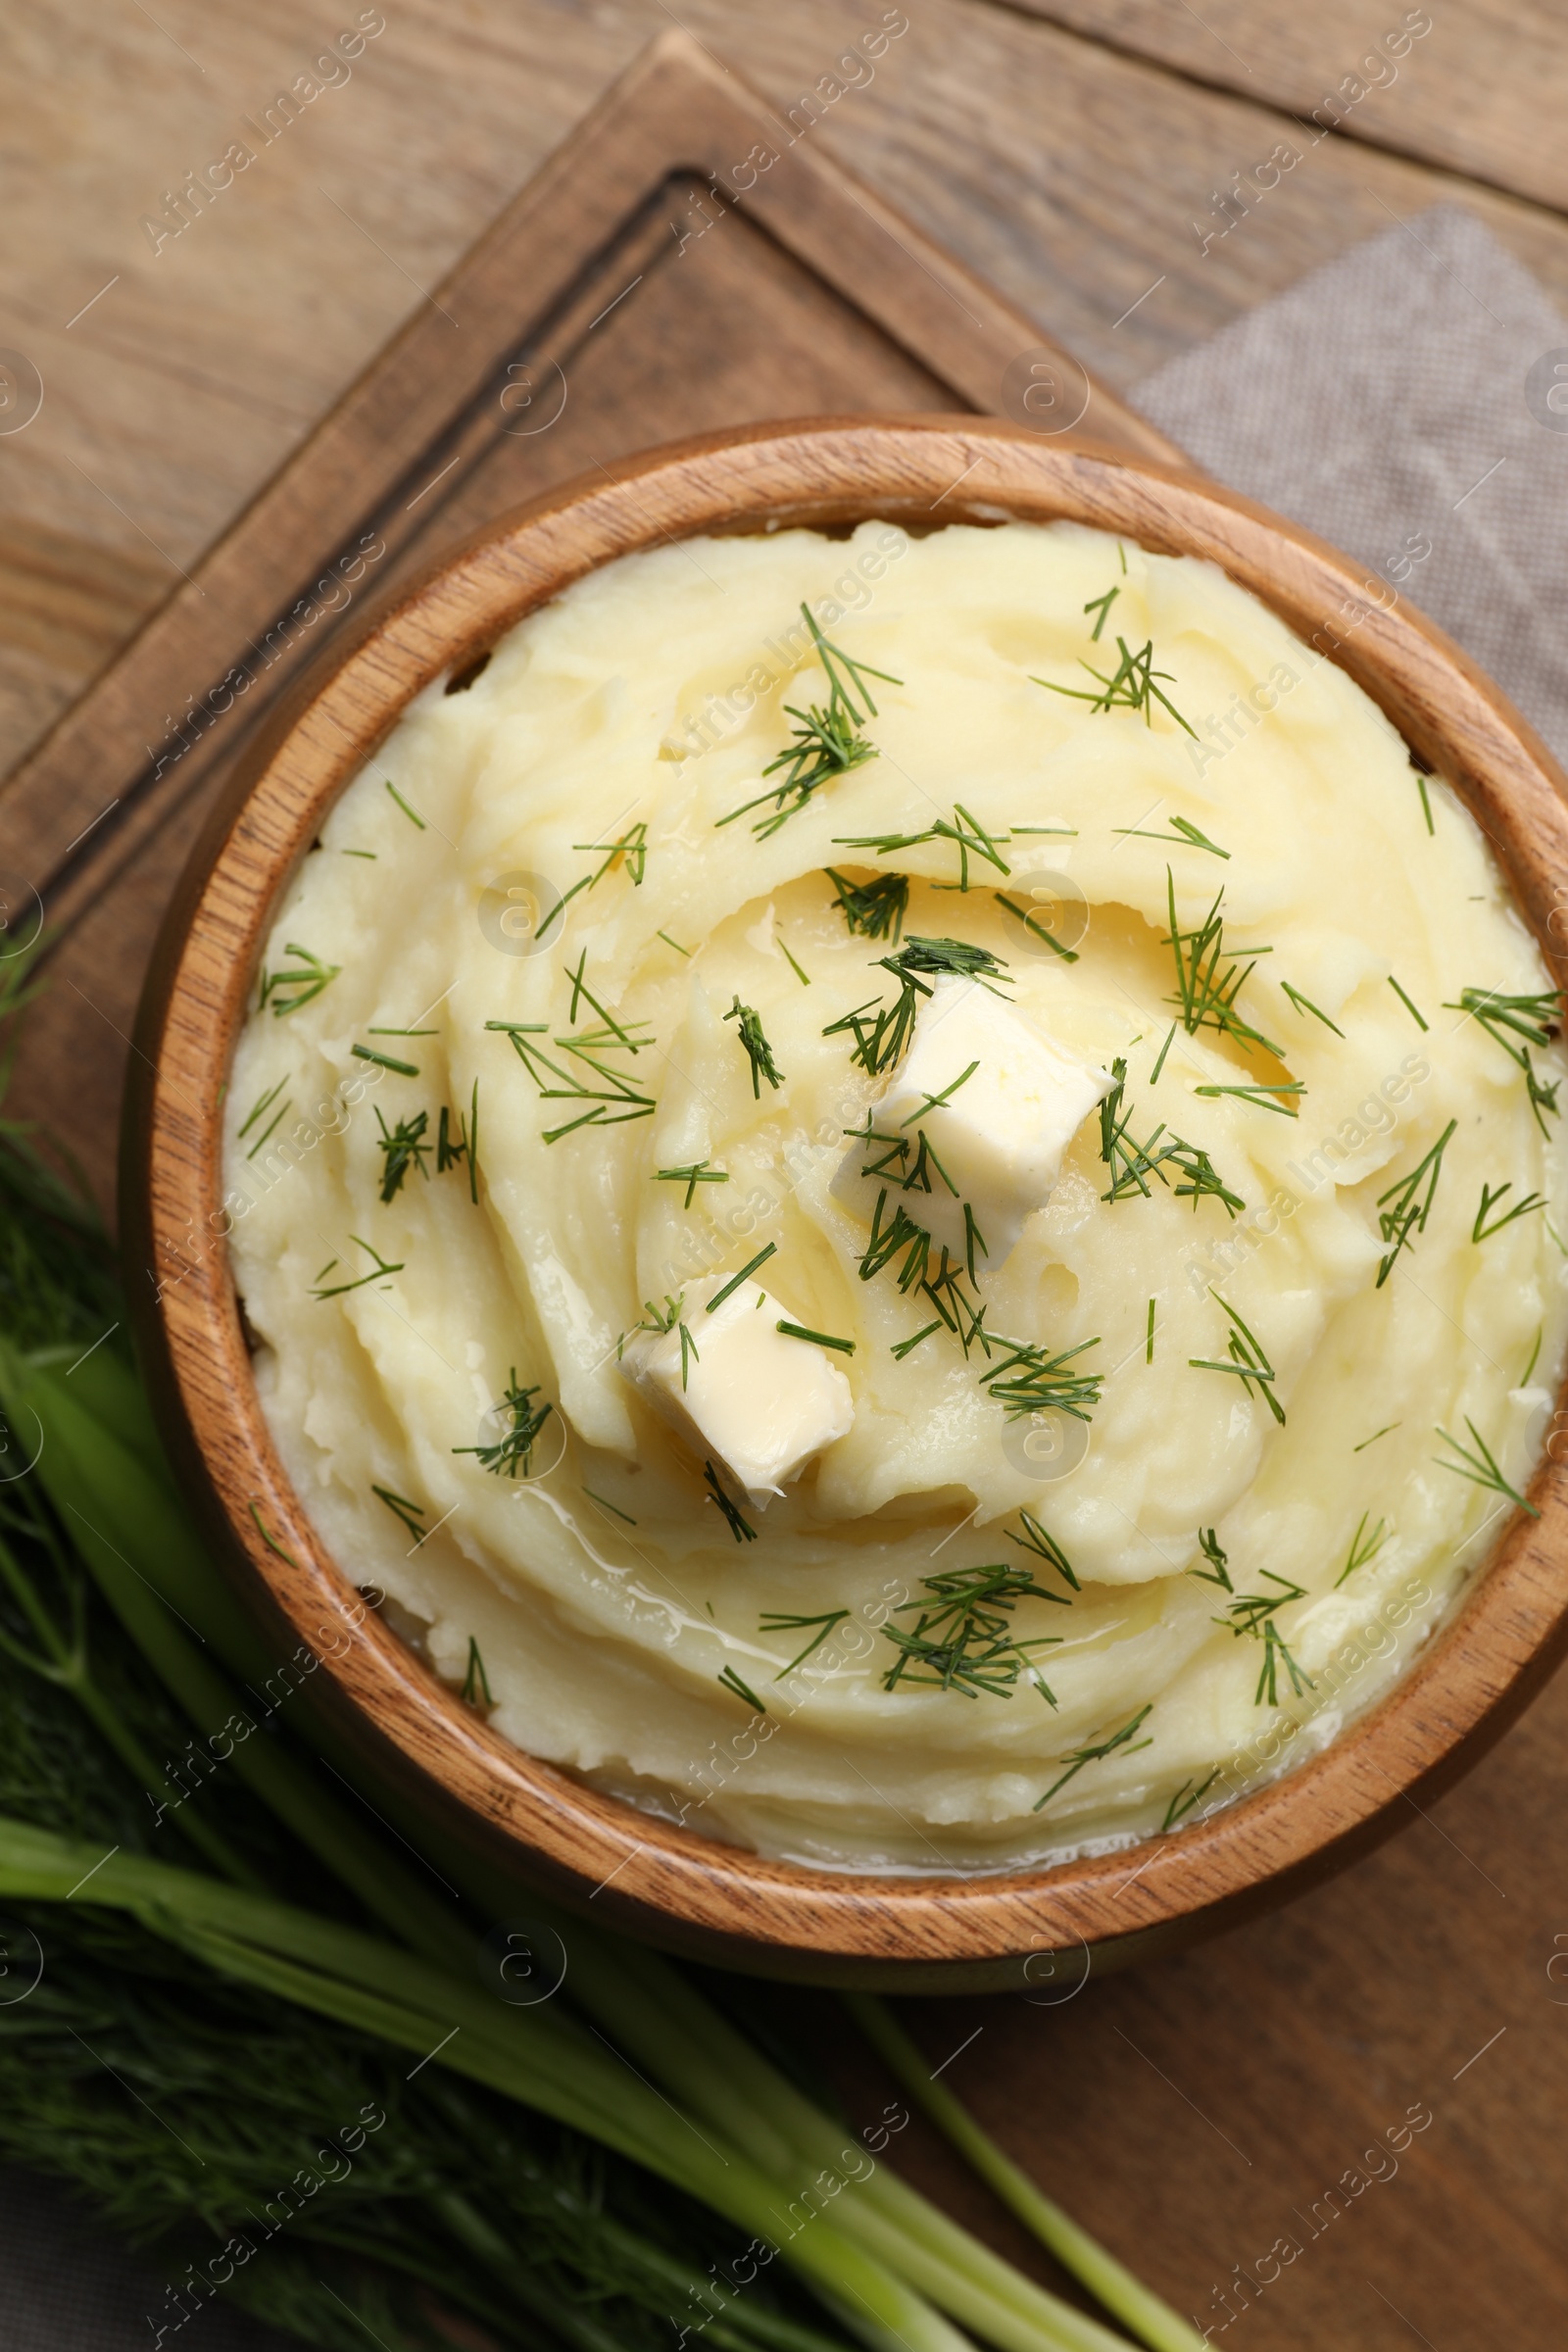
(1407, 394)
(1398, 396)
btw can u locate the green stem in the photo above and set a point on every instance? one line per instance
(97, 1482)
(537, 2056)
(1152, 2319)
(689, 2047)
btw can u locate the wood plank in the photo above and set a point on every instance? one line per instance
(585, 281)
(1481, 91)
(1064, 174)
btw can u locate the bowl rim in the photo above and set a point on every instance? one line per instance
(1463, 1687)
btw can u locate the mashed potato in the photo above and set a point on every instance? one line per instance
(584, 1022)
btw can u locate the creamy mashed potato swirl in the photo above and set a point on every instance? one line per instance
(1255, 1283)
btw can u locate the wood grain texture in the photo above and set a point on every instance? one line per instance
(1063, 173)
(681, 1890)
(1482, 90)
(626, 295)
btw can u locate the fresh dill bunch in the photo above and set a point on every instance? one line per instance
(828, 739)
(875, 910)
(758, 1050)
(963, 1639)
(403, 1147)
(512, 1451)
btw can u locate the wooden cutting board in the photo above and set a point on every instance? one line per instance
(657, 277)
(1197, 2113)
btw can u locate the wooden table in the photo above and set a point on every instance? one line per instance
(1072, 154)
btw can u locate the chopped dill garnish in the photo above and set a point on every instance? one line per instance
(1265, 1098)
(470, 1694)
(822, 1338)
(613, 1100)
(1078, 1757)
(671, 1319)
(804, 977)
(1184, 834)
(903, 1347)
(1422, 771)
(1248, 1362)
(1540, 1332)
(1534, 1020)
(404, 1147)
(1481, 1468)
(881, 1031)
(287, 990)
(694, 1173)
(1363, 1548)
(604, 1504)
(776, 1622)
(758, 1050)
(256, 1109)
(273, 1124)
(513, 1448)
(473, 1145)
(1100, 605)
(1253, 1614)
(963, 1638)
(1206, 996)
(631, 848)
(339, 1288)
(1028, 1380)
(672, 943)
(967, 834)
(1306, 1005)
(1376, 1434)
(413, 815)
(1481, 1231)
(1045, 1546)
(732, 1683)
(385, 1062)
(827, 741)
(370, 853)
(1182, 1804)
(1148, 1348)
(409, 1513)
(1033, 924)
(1218, 1571)
(739, 1528)
(451, 1151)
(1132, 1164)
(1410, 1210)
(1132, 686)
(872, 909)
(735, 1280)
(1410, 1008)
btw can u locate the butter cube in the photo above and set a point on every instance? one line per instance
(760, 1404)
(993, 1138)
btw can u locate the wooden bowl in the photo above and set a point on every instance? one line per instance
(1042, 1927)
